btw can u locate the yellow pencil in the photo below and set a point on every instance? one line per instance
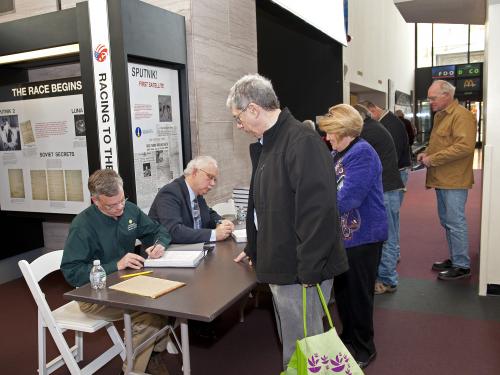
(135, 274)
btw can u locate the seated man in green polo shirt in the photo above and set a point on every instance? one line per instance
(107, 230)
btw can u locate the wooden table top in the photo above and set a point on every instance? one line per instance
(210, 288)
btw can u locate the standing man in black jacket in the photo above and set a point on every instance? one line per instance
(391, 249)
(293, 234)
(398, 132)
(380, 139)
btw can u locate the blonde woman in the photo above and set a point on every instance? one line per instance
(360, 201)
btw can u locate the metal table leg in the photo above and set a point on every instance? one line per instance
(129, 349)
(186, 361)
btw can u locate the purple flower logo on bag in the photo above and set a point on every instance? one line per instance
(313, 363)
(340, 362)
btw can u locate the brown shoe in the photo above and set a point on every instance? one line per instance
(381, 288)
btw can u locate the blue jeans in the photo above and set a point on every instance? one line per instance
(390, 251)
(451, 210)
(404, 177)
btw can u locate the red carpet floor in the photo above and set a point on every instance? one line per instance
(423, 238)
(426, 327)
(411, 343)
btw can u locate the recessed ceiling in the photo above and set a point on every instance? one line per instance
(443, 11)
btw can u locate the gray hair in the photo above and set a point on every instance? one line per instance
(363, 111)
(310, 123)
(445, 87)
(368, 104)
(399, 113)
(199, 162)
(253, 88)
(105, 182)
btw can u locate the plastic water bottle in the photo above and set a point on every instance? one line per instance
(97, 276)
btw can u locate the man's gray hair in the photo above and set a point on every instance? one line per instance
(252, 88)
(363, 111)
(105, 182)
(199, 162)
(368, 104)
(310, 123)
(445, 87)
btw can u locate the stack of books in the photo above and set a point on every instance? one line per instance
(178, 255)
(240, 196)
(239, 235)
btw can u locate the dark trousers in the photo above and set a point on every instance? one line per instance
(354, 296)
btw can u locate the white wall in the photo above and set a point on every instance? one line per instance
(382, 47)
(28, 8)
(490, 235)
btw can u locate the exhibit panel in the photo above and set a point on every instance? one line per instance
(156, 129)
(43, 152)
(52, 138)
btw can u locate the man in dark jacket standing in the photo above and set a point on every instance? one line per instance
(398, 132)
(392, 201)
(410, 128)
(293, 233)
(380, 139)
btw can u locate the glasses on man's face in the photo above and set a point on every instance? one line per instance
(115, 205)
(434, 98)
(209, 175)
(237, 119)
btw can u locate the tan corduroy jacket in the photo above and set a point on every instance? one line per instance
(451, 148)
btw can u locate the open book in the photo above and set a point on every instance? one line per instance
(147, 286)
(179, 256)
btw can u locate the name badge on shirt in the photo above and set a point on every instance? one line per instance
(131, 225)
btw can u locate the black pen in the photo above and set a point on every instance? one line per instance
(154, 245)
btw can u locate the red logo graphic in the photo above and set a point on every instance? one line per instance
(100, 53)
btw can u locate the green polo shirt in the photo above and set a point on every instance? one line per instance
(93, 235)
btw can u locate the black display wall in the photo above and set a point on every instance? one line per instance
(304, 64)
(139, 33)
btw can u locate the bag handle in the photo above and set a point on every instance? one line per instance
(323, 303)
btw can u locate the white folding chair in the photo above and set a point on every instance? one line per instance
(66, 317)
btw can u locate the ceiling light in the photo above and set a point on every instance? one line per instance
(69, 49)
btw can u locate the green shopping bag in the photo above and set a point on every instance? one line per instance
(321, 354)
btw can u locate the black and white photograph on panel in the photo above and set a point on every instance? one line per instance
(9, 133)
(160, 156)
(146, 169)
(165, 108)
(80, 125)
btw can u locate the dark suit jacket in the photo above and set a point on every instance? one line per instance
(172, 208)
(380, 139)
(398, 132)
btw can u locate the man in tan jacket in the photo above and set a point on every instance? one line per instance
(448, 159)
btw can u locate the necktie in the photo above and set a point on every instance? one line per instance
(196, 214)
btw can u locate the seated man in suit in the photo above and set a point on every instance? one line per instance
(180, 207)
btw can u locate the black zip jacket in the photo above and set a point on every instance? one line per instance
(294, 194)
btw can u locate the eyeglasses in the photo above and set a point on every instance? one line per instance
(115, 205)
(237, 118)
(434, 98)
(209, 175)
